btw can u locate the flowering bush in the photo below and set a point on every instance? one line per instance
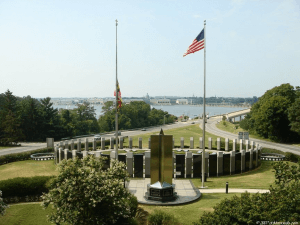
(3, 206)
(85, 193)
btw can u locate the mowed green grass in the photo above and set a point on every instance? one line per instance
(27, 168)
(34, 214)
(259, 178)
(185, 132)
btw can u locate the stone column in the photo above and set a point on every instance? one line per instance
(130, 143)
(140, 143)
(247, 145)
(226, 144)
(112, 144)
(251, 159)
(209, 143)
(173, 143)
(61, 144)
(243, 161)
(97, 154)
(147, 164)
(129, 162)
(252, 143)
(232, 162)
(94, 144)
(66, 153)
(121, 142)
(218, 144)
(182, 142)
(188, 165)
(102, 143)
(79, 145)
(84, 154)
(241, 144)
(72, 145)
(112, 155)
(149, 143)
(200, 143)
(86, 145)
(66, 145)
(234, 145)
(219, 163)
(74, 154)
(191, 143)
(256, 159)
(56, 154)
(59, 154)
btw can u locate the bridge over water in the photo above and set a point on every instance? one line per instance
(231, 116)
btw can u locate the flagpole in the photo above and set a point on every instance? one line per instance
(204, 116)
(116, 125)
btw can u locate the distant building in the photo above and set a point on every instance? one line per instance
(182, 102)
(160, 101)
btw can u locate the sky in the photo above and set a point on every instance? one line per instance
(68, 48)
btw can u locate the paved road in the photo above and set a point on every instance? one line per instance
(33, 146)
(211, 128)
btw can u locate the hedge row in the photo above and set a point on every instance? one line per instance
(21, 156)
(24, 186)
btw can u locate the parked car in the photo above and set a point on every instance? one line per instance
(97, 137)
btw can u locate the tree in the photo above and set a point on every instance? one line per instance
(85, 193)
(269, 116)
(294, 116)
(282, 203)
(9, 122)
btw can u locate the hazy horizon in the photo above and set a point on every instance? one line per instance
(66, 48)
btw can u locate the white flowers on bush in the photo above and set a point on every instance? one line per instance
(3, 206)
(84, 193)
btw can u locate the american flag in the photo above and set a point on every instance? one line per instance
(197, 44)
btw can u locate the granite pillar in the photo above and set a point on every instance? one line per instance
(86, 145)
(130, 143)
(218, 144)
(112, 143)
(72, 145)
(247, 145)
(121, 141)
(188, 165)
(191, 143)
(226, 144)
(94, 144)
(102, 143)
(129, 163)
(140, 143)
(243, 161)
(234, 145)
(182, 142)
(209, 143)
(74, 154)
(241, 144)
(232, 162)
(200, 143)
(147, 164)
(219, 163)
(251, 159)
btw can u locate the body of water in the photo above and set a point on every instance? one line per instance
(177, 110)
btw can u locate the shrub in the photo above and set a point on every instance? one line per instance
(85, 193)
(161, 218)
(21, 156)
(3, 206)
(291, 157)
(23, 186)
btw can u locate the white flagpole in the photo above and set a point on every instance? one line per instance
(116, 124)
(204, 116)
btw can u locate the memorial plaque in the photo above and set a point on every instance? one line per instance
(254, 160)
(138, 165)
(238, 162)
(197, 166)
(106, 161)
(79, 155)
(122, 158)
(247, 161)
(213, 165)
(226, 164)
(180, 165)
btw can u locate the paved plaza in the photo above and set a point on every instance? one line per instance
(185, 190)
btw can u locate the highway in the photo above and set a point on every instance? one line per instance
(211, 128)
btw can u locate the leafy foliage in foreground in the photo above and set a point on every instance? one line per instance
(281, 204)
(3, 206)
(85, 193)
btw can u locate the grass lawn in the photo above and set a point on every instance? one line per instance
(185, 132)
(27, 168)
(34, 214)
(260, 178)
